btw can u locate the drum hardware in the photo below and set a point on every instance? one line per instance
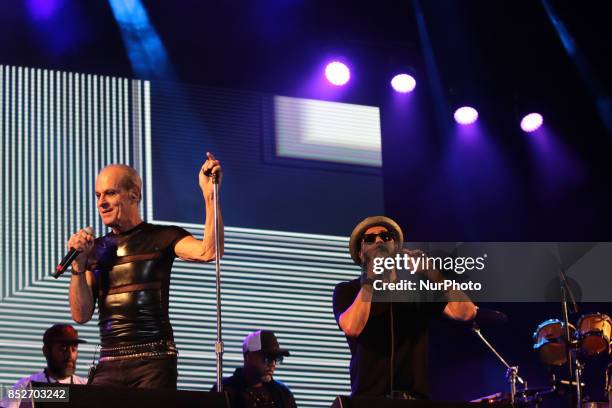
(524, 398)
(609, 384)
(577, 376)
(591, 337)
(492, 316)
(559, 342)
(557, 384)
(594, 404)
(512, 376)
(566, 292)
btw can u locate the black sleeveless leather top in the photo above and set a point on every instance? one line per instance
(132, 271)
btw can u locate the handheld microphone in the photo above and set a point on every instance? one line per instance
(69, 257)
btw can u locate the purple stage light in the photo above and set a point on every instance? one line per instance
(532, 122)
(43, 9)
(403, 83)
(337, 73)
(466, 115)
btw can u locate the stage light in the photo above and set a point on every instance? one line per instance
(337, 73)
(142, 43)
(466, 115)
(531, 122)
(42, 9)
(403, 83)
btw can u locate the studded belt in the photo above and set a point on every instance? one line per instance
(155, 349)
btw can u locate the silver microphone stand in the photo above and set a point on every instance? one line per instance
(219, 342)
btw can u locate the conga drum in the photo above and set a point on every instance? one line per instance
(594, 333)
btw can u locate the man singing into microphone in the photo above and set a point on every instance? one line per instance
(388, 340)
(127, 272)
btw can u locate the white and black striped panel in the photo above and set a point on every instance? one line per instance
(57, 129)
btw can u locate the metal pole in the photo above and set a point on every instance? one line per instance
(578, 376)
(512, 372)
(572, 357)
(219, 342)
(565, 312)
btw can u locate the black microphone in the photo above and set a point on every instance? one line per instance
(69, 257)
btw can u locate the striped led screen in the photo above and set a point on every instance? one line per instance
(327, 131)
(57, 130)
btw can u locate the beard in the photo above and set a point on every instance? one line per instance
(265, 375)
(61, 369)
(381, 250)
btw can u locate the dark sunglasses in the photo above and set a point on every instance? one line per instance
(371, 238)
(271, 359)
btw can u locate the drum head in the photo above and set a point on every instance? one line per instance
(549, 341)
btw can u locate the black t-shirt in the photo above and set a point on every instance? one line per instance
(371, 351)
(132, 283)
(258, 397)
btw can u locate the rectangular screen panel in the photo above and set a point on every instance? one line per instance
(327, 131)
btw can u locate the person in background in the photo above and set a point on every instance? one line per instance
(60, 348)
(252, 385)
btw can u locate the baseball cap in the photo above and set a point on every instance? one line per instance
(265, 341)
(61, 333)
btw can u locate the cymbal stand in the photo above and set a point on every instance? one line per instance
(512, 371)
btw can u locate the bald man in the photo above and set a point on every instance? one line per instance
(127, 272)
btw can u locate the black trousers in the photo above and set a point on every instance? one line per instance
(158, 372)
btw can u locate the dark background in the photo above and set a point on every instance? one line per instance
(493, 183)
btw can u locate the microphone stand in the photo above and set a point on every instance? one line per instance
(219, 342)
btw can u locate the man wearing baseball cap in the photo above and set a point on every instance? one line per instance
(252, 385)
(60, 348)
(388, 340)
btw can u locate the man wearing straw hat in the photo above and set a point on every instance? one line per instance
(388, 340)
